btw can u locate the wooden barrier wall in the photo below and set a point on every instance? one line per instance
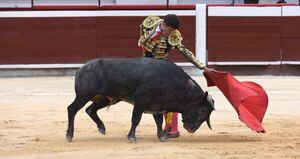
(76, 39)
(254, 40)
(265, 41)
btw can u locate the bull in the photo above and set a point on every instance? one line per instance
(151, 85)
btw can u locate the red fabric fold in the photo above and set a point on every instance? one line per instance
(248, 98)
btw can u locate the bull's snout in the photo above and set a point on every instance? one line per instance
(190, 130)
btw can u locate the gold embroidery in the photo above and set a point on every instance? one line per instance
(175, 38)
(169, 118)
(151, 21)
(190, 56)
(145, 36)
(158, 47)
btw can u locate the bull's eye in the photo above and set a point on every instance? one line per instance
(202, 112)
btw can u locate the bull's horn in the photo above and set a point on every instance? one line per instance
(208, 122)
(210, 100)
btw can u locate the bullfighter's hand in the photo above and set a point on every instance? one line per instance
(207, 69)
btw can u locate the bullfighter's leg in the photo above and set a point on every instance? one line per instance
(161, 134)
(73, 108)
(92, 112)
(171, 126)
(135, 120)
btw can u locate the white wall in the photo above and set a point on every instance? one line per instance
(27, 3)
(15, 3)
(108, 1)
(65, 2)
(141, 2)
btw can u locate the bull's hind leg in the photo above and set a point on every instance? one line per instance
(161, 134)
(92, 112)
(73, 108)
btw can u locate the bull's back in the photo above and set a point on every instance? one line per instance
(121, 77)
(138, 69)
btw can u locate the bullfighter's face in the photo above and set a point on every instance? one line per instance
(166, 30)
(193, 119)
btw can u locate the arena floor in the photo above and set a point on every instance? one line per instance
(33, 121)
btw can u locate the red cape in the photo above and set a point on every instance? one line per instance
(248, 98)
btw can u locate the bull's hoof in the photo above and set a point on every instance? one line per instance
(163, 139)
(132, 139)
(102, 131)
(69, 137)
(162, 136)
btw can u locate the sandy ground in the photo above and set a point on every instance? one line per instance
(33, 121)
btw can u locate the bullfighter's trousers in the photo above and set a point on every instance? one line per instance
(171, 119)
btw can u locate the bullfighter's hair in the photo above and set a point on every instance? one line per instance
(172, 20)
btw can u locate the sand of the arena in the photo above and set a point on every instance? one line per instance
(33, 121)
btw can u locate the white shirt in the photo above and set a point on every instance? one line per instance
(156, 31)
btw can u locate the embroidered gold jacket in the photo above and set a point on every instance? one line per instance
(160, 47)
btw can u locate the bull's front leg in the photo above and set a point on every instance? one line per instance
(161, 134)
(135, 120)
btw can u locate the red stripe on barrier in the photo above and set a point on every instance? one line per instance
(265, 5)
(184, 6)
(133, 7)
(16, 9)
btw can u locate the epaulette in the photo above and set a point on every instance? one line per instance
(151, 21)
(175, 38)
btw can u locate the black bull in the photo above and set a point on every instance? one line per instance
(156, 86)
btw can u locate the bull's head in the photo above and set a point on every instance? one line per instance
(200, 112)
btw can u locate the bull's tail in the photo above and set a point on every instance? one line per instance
(86, 83)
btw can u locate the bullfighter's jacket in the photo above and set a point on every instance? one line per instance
(160, 47)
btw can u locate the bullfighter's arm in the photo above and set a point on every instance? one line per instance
(175, 40)
(144, 36)
(190, 56)
(147, 28)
